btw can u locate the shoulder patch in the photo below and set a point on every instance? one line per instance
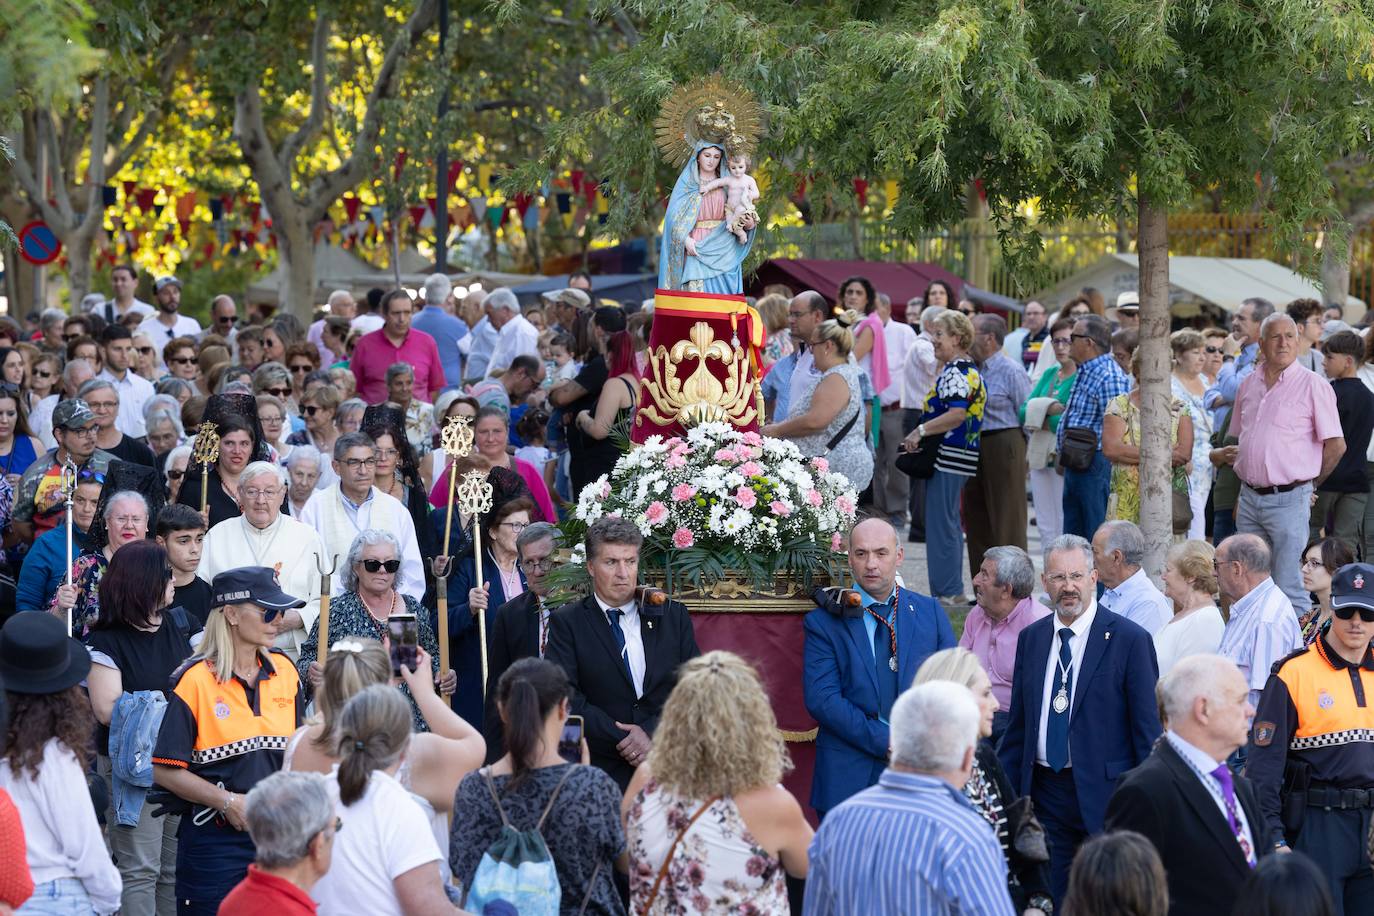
(1296, 653)
(1264, 734)
(183, 668)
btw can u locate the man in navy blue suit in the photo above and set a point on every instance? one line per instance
(1082, 706)
(857, 663)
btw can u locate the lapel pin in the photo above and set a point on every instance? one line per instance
(650, 624)
(1107, 635)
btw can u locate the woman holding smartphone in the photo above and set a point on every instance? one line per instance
(579, 804)
(369, 601)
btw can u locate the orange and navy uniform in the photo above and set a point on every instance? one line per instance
(1318, 708)
(231, 733)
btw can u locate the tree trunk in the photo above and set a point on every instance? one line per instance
(78, 252)
(296, 252)
(1335, 278)
(1156, 506)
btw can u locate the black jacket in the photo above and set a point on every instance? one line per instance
(580, 640)
(1164, 800)
(514, 635)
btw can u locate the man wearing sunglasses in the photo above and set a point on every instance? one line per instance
(1311, 756)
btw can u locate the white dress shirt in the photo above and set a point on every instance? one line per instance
(1202, 765)
(804, 377)
(1140, 602)
(517, 337)
(634, 640)
(1081, 627)
(898, 338)
(134, 391)
(919, 371)
(366, 324)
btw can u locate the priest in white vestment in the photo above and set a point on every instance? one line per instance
(263, 536)
(346, 509)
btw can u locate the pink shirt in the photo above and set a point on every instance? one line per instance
(1281, 428)
(995, 643)
(373, 354)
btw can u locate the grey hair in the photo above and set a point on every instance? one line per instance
(396, 370)
(268, 373)
(336, 297)
(1126, 537)
(1099, 331)
(607, 530)
(929, 314)
(534, 532)
(1068, 542)
(352, 440)
(304, 453)
(257, 468)
(934, 726)
(69, 370)
(1193, 677)
(285, 812)
(369, 538)
(1249, 550)
(51, 317)
(96, 384)
(1014, 569)
(176, 453)
(1272, 319)
(437, 289)
(349, 406)
(164, 404)
(174, 388)
(995, 325)
(501, 298)
(124, 496)
(1261, 308)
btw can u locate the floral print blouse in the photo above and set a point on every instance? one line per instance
(718, 868)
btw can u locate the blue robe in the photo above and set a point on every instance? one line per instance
(720, 256)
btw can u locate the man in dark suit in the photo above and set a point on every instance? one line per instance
(1082, 706)
(1203, 819)
(858, 662)
(621, 658)
(521, 627)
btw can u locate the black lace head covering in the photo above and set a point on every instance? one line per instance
(125, 475)
(382, 418)
(242, 407)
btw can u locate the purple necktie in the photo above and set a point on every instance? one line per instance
(1222, 774)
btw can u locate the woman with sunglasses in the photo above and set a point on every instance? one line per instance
(138, 641)
(1189, 386)
(180, 356)
(146, 363)
(43, 378)
(272, 416)
(1320, 560)
(318, 409)
(301, 360)
(368, 602)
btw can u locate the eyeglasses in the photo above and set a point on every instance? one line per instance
(269, 420)
(1213, 351)
(175, 474)
(269, 493)
(311, 410)
(537, 566)
(388, 453)
(146, 351)
(1311, 562)
(102, 405)
(373, 566)
(182, 360)
(1347, 612)
(1060, 341)
(127, 521)
(1076, 336)
(41, 374)
(73, 335)
(279, 392)
(84, 431)
(354, 463)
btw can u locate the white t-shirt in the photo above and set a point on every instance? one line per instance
(366, 324)
(1197, 634)
(384, 835)
(185, 326)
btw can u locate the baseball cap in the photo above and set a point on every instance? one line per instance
(72, 413)
(252, 585)
(92, 301)
(1129, 301)
(162, 282)
(1353, 586)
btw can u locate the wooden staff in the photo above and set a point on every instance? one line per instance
(322, 634)
(206, 452)
(474, 498)
(456, 442)
(68, 494)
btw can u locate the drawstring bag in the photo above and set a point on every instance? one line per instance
(517, 868)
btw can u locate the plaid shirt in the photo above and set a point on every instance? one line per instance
(1099, 380)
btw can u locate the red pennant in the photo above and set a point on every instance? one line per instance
(577, 175)
(399, 164)
(254, 208)
(522, 203)
(129, 187)
(145, 198)
(417, 213)
(454, 170)
(589, 189)
(185, 226)
(861, 191)
(351, 207)
(982, 192)
(433, 204)
(208, 249)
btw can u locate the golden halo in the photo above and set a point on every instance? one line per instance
(712, 109)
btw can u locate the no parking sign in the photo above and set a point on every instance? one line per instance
(38, 244)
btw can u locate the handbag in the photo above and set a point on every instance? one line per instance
(672, 851)
(920, 464)
(1183, 510)
(1079, 448)
(1026, 832)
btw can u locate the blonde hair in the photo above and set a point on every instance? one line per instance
(718, 735)
(956, 324)
(772, 308)
(1185, 339)
(217, 646)
(838, 331)
(958, 665)
(1193, 560)
(347, 673)
(374, 729)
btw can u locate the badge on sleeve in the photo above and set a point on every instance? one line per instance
(1264, 734)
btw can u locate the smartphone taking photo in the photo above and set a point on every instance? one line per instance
(570, 741)
(404, 633)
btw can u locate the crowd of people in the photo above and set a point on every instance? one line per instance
(203, 713)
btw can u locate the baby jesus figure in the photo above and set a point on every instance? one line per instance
(740, 193)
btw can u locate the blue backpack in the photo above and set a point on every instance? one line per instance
(516, 873)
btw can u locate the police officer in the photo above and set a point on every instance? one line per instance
(1312, 745)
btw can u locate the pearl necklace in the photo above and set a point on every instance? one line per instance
(373, 614)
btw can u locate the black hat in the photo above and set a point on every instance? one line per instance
(1353, 586)
(38, 657)
(253, 585)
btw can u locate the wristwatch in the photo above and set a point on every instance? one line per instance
(920, 430)
(1042, 903)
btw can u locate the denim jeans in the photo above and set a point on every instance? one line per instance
(944, 535)
(1085, 497)
(62, 897)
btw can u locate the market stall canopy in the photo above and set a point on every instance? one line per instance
(900, 280)
(623, 289)
(1195, 282)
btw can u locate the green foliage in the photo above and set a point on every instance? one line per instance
(44, 52)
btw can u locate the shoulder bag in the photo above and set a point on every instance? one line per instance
(1079, 449)
(672, 850)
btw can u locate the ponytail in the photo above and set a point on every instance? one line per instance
(374, 728)
(526, 694)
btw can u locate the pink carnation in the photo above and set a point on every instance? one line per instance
(656, 513)
(820, 464)
(682, 538)
(606, 490)
(751, 438)
(751, 469)
(845, 505)
(683, 492)
(780, 508)
(745, 497)
(675, 461)
(836, 542)
(725, 454)
(813, 498)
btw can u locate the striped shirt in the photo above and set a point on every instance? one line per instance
(1262, 630)
(910, 844)
(1099, 380)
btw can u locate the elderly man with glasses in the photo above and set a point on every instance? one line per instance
(264, 536)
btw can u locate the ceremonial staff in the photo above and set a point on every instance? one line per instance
(456, 443)
(322, 634)
(68, 494)
(474, 498)
(206, 452)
